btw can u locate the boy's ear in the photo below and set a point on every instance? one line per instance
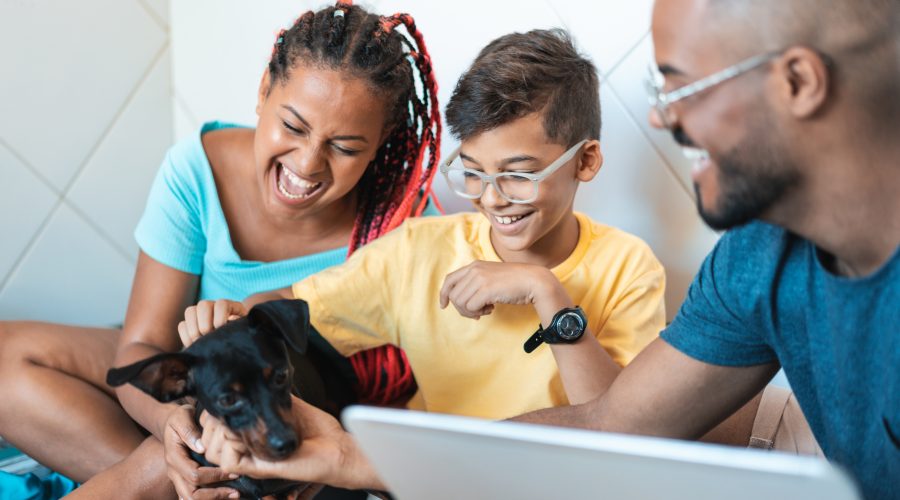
(265, 86)
(288, 318)
(591, 161)
(164, 376)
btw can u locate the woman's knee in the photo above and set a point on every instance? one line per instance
(14, 345)
(30, 349)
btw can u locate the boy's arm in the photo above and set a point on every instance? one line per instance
(585, 367)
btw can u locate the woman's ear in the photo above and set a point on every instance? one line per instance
(264, 88)
(590, 162)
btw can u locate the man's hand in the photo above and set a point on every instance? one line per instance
(327, 454)
(475, 289)
(188, 476)
(206, 316)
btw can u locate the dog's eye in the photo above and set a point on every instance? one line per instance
(280, 378)
(227, 401)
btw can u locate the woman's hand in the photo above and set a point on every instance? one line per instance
(327, 453)
(188, 476)
(206, 316)
(475, 289)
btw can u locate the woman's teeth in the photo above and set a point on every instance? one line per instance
(293, 187)
(509, 220)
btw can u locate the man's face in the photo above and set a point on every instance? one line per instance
(741, 167)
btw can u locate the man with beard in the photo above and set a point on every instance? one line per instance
(796, 145)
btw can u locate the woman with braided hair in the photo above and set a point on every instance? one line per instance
(344, 150)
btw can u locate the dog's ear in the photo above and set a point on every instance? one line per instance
(288, 317)
(164, 376)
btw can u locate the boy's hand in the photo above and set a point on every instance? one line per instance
(206, 316)
(475, 289)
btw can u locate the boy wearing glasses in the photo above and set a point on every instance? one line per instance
(527, 268)
(524, 262)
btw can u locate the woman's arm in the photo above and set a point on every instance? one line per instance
(159, 297)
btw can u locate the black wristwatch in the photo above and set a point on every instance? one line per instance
(566, 327)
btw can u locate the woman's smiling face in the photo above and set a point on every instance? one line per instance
(317, 132)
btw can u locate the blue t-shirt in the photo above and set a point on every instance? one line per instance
(184, 227)
(763, 296)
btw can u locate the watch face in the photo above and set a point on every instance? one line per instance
(570, 326)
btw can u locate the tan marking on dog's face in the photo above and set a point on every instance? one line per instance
(255, 439)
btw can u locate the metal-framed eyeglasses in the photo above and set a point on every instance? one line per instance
(661, 101)
(515, 187)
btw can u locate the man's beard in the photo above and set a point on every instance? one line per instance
(751, 178)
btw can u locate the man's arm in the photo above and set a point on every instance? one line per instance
(664, 393)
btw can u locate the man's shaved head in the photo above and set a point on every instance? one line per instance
(832, 25)
(860, 39)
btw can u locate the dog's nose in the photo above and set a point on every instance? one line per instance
(282, 445)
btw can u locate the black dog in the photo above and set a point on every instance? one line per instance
(243, 374)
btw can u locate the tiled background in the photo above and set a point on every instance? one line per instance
(85, 117)
(94, 91)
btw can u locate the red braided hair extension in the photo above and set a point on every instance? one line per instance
(393, 380)
(346, 36)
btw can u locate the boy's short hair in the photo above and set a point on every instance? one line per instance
(521, 73)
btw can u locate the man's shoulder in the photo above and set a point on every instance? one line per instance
(752, 249)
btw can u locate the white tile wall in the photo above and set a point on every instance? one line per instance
(85, 101)
(71, 275)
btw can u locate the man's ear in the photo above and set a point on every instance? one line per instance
(288, 318)
(804, 81)
(590, 162)
(164, 376)
(265, 86)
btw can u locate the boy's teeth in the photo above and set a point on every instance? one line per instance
(508, 220)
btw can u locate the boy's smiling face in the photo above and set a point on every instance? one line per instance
(544, 231)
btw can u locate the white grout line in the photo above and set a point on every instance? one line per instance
(25, 251)
(31, 168)
(112, 123)
(163, 23)
(62, 195)
(124, 253)
(628, 53)
(671, 169)
(182, 103)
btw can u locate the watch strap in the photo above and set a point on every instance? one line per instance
(533, 342)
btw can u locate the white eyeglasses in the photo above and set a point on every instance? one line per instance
(515, 187)
(655, 82)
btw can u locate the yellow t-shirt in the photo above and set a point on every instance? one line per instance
(388, 293)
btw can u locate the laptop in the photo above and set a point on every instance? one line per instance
(437, 457)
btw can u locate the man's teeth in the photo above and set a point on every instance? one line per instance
(699, 159)
(695, 154)
(509, 220)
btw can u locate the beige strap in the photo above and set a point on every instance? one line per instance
(768, 417)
